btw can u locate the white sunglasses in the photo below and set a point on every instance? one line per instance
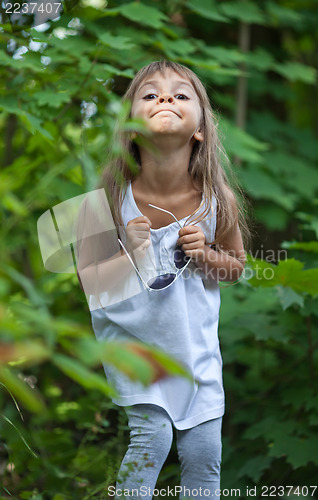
(163, 281)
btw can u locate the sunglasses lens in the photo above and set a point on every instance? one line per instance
(180, 258)
(162, 281)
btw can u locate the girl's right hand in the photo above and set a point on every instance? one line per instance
(138, 234)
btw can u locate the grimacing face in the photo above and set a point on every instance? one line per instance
(169, 105)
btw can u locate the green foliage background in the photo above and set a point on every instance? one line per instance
(60, 96)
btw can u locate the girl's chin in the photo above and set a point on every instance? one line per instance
(165, 127)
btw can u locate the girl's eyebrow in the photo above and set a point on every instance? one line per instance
(178, 82)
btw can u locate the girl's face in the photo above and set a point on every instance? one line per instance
(169, 105)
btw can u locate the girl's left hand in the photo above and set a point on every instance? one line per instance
(192, 241)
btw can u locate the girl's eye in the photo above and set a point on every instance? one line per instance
(150, 97)
(181, 96)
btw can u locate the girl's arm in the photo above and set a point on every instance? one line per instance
(226, 261)
(222, 262)
(99, 267)
(101, 276)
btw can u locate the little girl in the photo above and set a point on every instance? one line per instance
(179, 182)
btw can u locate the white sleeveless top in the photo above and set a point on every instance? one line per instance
(182, 320)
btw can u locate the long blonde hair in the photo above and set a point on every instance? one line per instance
(205, 166)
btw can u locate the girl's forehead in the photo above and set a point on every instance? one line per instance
(167, 75)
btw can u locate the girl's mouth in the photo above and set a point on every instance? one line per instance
(165, 110)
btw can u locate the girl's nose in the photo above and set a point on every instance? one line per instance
(166, 98)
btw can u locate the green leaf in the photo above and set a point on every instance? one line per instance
(36, 297)
(306, 246)
(32, 62)
(25, 353)
(274, 217)
(246, 11)
(7, 61)
(13, 204)
(311, 221)
(225, 56)
(143, 14)
(74, 46)
(312, 402)
(288, 273)
(269, 428)
(22, 391)
(137, 361)
(295, 71)
(283, 441)
(3, 487)
(169, 364)
(288, 297)
(88, 164)
(260, 59)
(261, 185)
(20, 434)
(35, 125)
(299, 397)
(297, 451)
(121, 357)
(116, 42)
(254, 467)
(240, 143)
(261, 327)
(174, 48)
(10, 104)
(112, 70)
(208, 65)
(266, 331)
(298, 175)
(284, 16)
(53, 99)
(310, 307)
(257, 300)
(14, 400)
(207, 9)
(82, 375)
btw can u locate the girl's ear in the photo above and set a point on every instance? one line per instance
(198, 135)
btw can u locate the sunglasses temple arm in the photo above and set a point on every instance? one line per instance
(167, 211)
(132, 263)
(183, 268)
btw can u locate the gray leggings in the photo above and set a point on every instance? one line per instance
(199, 451)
